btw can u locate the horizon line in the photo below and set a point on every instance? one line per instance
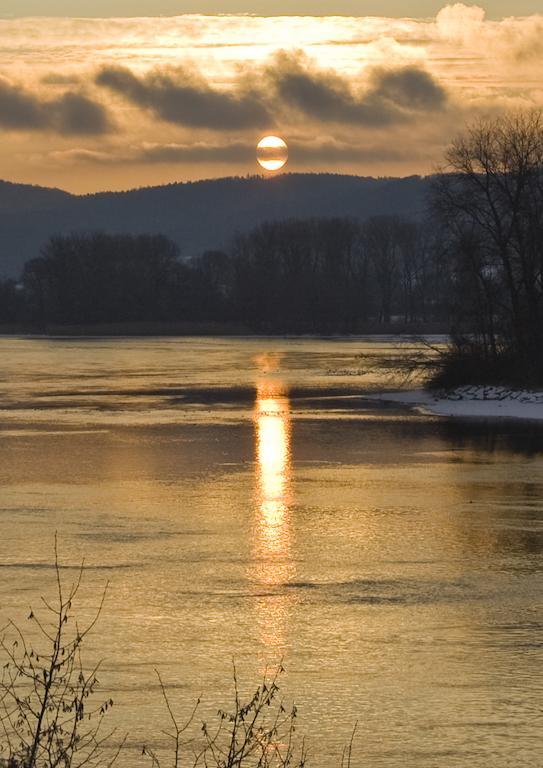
(209, 180)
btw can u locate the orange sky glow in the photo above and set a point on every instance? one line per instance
(89, 104)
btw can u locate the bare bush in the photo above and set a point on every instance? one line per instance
(47, 715)
(48, 718)
(258, 732)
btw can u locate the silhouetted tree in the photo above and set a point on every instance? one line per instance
(490, 202)
(10, 301)
(300, 275)
(382, 238)
(211, 278)
(98, 278)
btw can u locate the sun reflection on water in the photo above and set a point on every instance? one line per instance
(273, 563)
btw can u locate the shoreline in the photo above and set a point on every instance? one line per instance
(189, 328)
(470, 402)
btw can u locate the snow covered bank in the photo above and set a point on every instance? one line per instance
(481, 402)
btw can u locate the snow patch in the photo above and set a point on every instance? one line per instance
(472, 402)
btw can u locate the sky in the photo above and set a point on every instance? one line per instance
(107, 8)
(124, 99)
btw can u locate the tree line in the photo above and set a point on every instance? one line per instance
(296, 276)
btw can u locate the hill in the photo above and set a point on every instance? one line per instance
(199, 215)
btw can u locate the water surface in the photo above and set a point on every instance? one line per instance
(244, 501)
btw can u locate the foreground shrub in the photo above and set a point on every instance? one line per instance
(48, 718)
(258, 732)
(47, 712)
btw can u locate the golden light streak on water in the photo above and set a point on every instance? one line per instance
(273, 563)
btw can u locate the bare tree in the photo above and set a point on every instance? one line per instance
(490, 199)
(46, 711)
(381, 238)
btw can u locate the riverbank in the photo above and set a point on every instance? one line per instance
(471, 402)
(193, 328)
(135, 329)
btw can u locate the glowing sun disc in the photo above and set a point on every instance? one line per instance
(272, 153)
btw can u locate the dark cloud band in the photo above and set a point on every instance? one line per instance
(302, 152)
(290, 86)
(389, 96)
(71, 114)
(289, 91)
(179, 97)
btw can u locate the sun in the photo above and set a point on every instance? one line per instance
(272, 153)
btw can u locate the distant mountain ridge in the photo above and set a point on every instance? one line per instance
(198, 216)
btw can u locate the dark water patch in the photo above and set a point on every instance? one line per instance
(199, 394)
(260, 595)
(152, 687)
(213, 395)
(413, 437)
(451, 725)
(389, 591)
(411, 757)
(410, 594)
(518, 541)
(66, 405)
(196, 394)
(31, 511)
(32, 405)
(493, 436)
(204, 557)
(519, 626)
(64, 567)
(130, 537)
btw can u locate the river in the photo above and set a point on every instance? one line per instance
(246, 503)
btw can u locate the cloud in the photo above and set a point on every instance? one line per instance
(180, 97)
(77, 115)
(150, 154)
(460, 22)
(199, 152)
(79, 156)
(19, 109)
(287, 86)
(530, 47)
(409, 87)
(71, 114)
(322, 94)
(330, 151)
(390, 95)
(60, 78)
(513, 39)
(321, 150)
